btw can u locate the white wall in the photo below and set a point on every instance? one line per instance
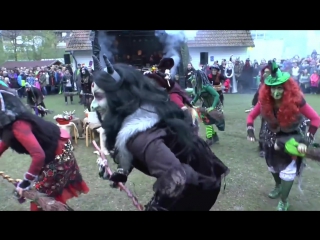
(219, 53)
(267, 49)
(82, 57)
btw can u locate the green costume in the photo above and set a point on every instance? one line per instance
(279, 156)
(211, 111)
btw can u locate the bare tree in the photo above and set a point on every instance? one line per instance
(40, 44)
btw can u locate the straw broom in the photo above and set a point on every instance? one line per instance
(45, 202)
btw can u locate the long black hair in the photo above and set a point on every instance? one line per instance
(46, 133)
(132, 92)
(129, 94)
(201, 80)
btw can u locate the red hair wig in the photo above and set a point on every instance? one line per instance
(290, 103)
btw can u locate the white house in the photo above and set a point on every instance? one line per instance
(212, 45)
(79, 46)
(206, 47)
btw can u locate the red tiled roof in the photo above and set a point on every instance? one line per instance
(222, 38)
(79, 40)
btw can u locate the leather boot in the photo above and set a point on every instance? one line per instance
(215, 138)
(275, 193)
(286, 186)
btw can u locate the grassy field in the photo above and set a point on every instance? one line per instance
(247, 184)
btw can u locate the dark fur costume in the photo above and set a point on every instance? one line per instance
(46, 133)
(140, 113)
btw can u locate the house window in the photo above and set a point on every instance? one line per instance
(204, 58)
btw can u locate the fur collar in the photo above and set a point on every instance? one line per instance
(141, 120)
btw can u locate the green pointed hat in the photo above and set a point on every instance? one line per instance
(276, 77)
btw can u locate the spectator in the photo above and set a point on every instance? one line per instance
(304, 81)
(68, 86)
(295, 72)
(43, 82)
(22, 83)
(314, 81)
(190, 70)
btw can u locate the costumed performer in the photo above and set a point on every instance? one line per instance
(211, 110)
(35, 100)
(150, 133)
(86, 82)
(282, 106)
(265, 72)
(176, 93)
(215, 78)
(53, 170)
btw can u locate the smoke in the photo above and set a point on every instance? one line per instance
(107, 46)
(171, 42)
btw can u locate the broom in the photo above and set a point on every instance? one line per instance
(45, 202)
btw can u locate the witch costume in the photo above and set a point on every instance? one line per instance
(283, 120)
(216, 78)
(265, 72)
(35, 100)
(211, 110)
(86, 82)
(177, 95)
(53, 170)
(150, 133)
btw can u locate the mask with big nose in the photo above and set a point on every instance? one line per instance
(277, 92)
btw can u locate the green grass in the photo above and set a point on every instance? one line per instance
(247, 184)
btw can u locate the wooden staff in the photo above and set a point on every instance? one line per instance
(120, 185)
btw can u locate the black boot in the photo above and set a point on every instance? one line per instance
(209, 141)
(215, 138)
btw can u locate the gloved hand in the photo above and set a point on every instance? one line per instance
(119, 176)
(24, 185)
(209, 109)
(302, 148)
(250, 134)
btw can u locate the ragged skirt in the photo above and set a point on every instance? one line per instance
(279, 160)
(61, 178)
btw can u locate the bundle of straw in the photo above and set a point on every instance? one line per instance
(45, 202)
